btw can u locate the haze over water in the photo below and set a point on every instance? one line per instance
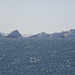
(35, 16)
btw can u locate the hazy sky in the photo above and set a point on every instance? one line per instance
(35, 16)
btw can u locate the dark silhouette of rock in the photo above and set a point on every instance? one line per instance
(40, 35)
(71, 34)
(64, 34)
(14, 34)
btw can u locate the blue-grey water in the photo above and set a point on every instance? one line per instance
(37, 56)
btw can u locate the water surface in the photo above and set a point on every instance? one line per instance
(37, 56)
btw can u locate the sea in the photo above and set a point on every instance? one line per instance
(37, 56)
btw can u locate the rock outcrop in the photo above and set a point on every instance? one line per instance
(14, 34)
(40, 35)
(71, 34)
(64, 34)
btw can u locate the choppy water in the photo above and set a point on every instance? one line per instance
(37, 56)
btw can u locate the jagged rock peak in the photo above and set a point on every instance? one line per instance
(14, 34)
(71, 34)
(72, 31)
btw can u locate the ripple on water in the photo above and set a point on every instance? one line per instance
(37, 57)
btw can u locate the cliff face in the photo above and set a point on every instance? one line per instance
(14, 34)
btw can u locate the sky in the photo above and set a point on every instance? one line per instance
(35, 16)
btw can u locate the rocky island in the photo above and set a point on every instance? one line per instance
(64, 34)
(14, 34)
(40, 35)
